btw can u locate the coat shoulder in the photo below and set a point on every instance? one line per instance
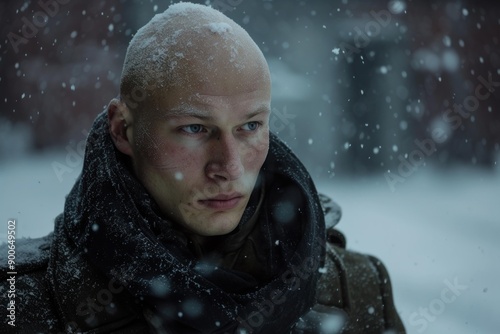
(331, 211)
(34, 308)
(30, 254)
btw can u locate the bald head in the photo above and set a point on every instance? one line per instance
(194, 116)
(187, 45)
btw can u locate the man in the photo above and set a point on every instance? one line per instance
(189, 216)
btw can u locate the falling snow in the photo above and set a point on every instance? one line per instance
(355, 95)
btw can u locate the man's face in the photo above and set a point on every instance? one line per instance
(200, 153)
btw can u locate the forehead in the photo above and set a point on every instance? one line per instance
(214, 107)
(212, 86)
(207, 61)
(216, 64)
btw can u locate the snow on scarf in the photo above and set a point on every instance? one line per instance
(110, 229)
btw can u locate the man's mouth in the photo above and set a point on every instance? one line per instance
(222, 201)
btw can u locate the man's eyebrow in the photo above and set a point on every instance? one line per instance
(196, 113)
(189, 112)
(260, 110)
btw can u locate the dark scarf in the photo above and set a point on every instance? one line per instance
(111, 219)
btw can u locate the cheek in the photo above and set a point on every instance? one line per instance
(170, 168)
(255, 154)
(165, 154)
(152, 149)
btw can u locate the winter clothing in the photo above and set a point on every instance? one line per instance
(113, 264)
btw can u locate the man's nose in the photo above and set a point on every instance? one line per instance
(225, 159)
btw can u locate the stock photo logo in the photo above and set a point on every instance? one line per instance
(437, 306)
(34, 23)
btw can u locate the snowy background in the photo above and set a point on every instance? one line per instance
(356, 86)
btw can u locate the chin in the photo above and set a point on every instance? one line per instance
(219, 223)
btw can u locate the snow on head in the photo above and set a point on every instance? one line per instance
(184, 41)
(219, 28)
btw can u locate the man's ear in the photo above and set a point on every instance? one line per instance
(120, 119)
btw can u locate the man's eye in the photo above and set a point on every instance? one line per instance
(193, 128)
(251, 126)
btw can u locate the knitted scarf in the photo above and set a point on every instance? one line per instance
(112, 225)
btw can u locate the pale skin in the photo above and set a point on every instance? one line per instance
(207, 139)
